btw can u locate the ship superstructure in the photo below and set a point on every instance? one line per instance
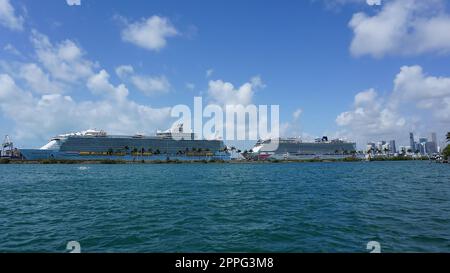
(295, 148)
(94, 144)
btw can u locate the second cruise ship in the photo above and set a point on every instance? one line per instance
(295, 148)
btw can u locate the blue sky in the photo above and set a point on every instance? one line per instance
(307, 54)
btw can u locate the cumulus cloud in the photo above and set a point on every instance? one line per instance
(36, 88)
(99, 84)
(73, 2)
(373, 2)
(151, 85)
(148, 84)
(42, 116)
(292, 128)
(431, 93)
(209, 72)
(297, 113)
(124, 70)
(224, 93)
(417, 102)
(12, 50)
(336, 5)
(404, 27)
(190, 86)
(150, 33)
(370, 116)
(65, 61)
(38, 80)
(8, 17)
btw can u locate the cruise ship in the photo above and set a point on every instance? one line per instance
(173, 144)
(295, 148)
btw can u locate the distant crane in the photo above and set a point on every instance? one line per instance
(7, 147)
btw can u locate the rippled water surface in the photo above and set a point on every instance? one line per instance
(298, 207)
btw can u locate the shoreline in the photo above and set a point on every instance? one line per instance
(108, 161)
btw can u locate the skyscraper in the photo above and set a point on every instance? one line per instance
(411, 142)
(392, 147)
(434, 140)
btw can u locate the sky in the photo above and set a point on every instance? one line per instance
(361, 70)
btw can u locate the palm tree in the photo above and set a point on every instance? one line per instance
(448, 136)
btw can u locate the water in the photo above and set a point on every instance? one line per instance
(298, 207)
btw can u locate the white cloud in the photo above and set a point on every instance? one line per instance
(417, 102)
(413, 86)
(38, 80)
(190, 86)
(9, 92)
(12, 49)
(124, 70)
(44, 112)
(336, 5)
(292, 128)
(43, 116)
(373, 2)
(297, 113)
(404, 27)
(8, 17)
(100, 85)
(150, 33)
(224, 93)
(65, 61)
(73, 2)
(371, 117)
(151, 85)
(209, 72)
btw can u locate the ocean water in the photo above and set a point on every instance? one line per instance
(292, 207)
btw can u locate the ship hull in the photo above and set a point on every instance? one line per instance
(37, 154)
(295, 150)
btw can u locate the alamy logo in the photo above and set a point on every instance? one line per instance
(74, 247)
(374, 246)
(228, 122)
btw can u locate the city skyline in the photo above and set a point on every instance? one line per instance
(424, 145)
(345, 69)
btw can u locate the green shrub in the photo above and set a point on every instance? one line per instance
(351, 159)
(49, 161)
(5, 161)
(446, 152)
(109, 161)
